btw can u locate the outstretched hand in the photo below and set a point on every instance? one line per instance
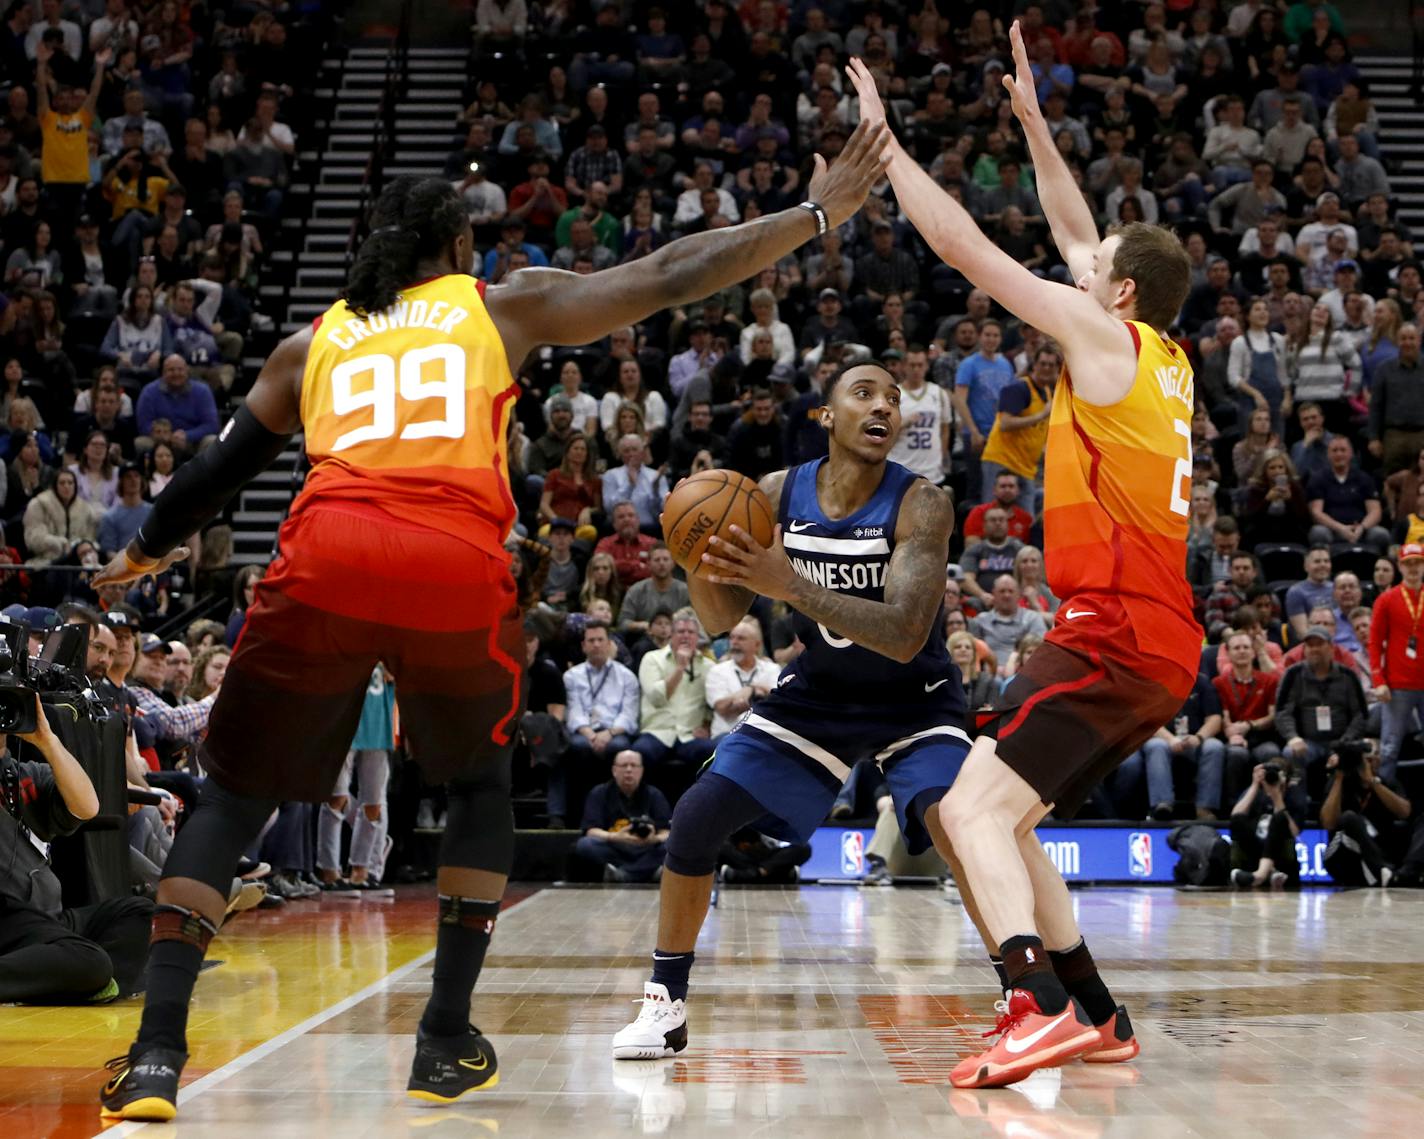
(841, 188)
(1022, 89)
(121, 570)
(872, 107)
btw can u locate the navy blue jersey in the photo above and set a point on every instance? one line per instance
(852, 556)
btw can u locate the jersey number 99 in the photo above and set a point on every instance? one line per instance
(404, 380)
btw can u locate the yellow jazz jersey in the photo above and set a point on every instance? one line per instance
(405, 412)
(1116, 487)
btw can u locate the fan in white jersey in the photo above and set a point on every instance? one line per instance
(927, 414)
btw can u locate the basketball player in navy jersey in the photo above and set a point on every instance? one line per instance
(859, 555)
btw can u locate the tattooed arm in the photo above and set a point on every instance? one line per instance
(897, 627)
(551, 306)
(721, 606)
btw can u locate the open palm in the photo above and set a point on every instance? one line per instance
(871, 107)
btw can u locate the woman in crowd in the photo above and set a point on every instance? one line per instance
(1325, 367)
(978, 683)
(764, 318)
(1200, 519)
(209, 668)
(600, 582)
(1033, 588)
(1027, 645)
(158, 467)
(1382, 342)
(28, 476)
(1275, 508)
(1256, 368)
(94, 469)
(35, 265)
(630, 388)
(573, 490)
(202, 634)
(1259, 438)
(244, 593)
(57, 518)
(138, 340)
(570, 386)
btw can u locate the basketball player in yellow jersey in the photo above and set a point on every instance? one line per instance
(393, 552)
(1124, 650)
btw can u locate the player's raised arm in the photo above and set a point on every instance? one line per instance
(552, 306)
(1076, 320)
(1074, 230)
(897, 627)
(257, 433)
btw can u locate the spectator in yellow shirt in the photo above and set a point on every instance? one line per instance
(65, 124)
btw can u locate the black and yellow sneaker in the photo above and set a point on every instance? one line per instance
(447, 1067)
(144, 1085)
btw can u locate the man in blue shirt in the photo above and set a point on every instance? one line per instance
(977, 385)
(121, 521)
(1315, 590)
(644, 487)
(1345, 503)
(602, 716)
(188, 406)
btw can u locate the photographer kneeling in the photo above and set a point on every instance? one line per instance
(1264, 825)
(625, 824)
(1367, 817)
(48, 954)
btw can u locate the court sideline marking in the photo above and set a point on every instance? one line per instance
(282, 1039)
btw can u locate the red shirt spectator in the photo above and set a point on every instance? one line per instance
(1005, 494)
(1397, 629)
(1248, 695)
(627, 545)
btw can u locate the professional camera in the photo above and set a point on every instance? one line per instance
(642, 827)
(59, 669)
(1350, 758)
(1274, 773)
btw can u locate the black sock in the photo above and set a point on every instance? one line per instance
(1000, 972)
(1079, 973)
(180, 938)
(1026, 962)
(461, 940)
(673, 970)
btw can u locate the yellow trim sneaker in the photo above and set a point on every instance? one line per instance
(448, 1067)
(144, 1085)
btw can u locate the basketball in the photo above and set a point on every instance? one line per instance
(710, 503)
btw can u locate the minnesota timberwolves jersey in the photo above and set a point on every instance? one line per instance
(852, 556)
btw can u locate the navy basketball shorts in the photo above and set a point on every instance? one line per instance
(794, 750)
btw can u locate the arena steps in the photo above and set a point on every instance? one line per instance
(1401, 136)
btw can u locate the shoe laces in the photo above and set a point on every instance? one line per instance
(1008, 1020)
(653, 1009)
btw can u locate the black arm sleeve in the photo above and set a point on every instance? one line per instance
(207, 483)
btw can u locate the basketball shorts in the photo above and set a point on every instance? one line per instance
(794, 750)
(1086, 700)
(348, 589)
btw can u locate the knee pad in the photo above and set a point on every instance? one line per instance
(479, 823)
(706, 815)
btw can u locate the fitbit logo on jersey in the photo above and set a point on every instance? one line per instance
(841, 575)
(695, 534)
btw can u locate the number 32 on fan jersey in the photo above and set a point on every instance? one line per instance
(402, 381)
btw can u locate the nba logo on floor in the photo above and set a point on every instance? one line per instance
(1139, 854)
(852, 854)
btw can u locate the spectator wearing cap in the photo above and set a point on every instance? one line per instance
(512, 237)
(830, 325)
(121, 521)
(189, 407)
(1397, 655)
(1311, 241)
(565, 574)
(181, 722)
(1319, 705)
(1344, 502)
(1396, 425)
(546, 453)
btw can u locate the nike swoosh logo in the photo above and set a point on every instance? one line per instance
(1017, 1046)
(1074, 614)
(797, 527)
(480, 1067)
(936, 684)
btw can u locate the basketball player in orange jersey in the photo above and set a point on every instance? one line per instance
(394, 552)
(1123, 653)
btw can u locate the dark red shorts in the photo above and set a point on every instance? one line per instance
(347, 590)
(1086, 700)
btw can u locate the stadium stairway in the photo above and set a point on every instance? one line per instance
(1401, 135)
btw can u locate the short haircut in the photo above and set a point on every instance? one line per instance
(1225, 525)
(655, 547)
(593, 624)
(1155, 261)
(834, 381)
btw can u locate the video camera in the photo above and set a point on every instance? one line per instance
(58, 669)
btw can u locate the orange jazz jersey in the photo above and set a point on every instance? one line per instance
(1117, 482)
(405, 413)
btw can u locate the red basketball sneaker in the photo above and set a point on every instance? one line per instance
(1028, 1040)
(1116, 1042)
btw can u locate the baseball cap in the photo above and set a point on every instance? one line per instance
(782, 374)
(120, 620)
(1347, 263)
(562, 524)
(1318, 631)
(596, 129)
(561, 403)
(828, 294)
(881, 224)
(41, 617)
(1412, 552)
(1330, 194)
(16, 612)
(892, 354)
(941, 69)
(153, 643)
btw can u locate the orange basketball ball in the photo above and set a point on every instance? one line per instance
(709, 503)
